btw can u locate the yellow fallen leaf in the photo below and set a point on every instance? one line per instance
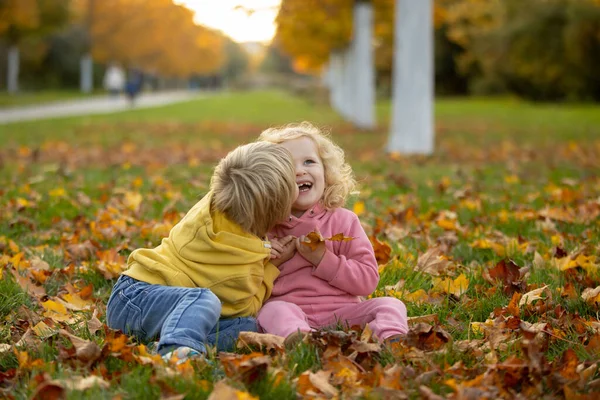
(455, 287)
(75, 302)
(418, 297)
(132, 200)
(58, 192)
(359, 208)
(56, 311)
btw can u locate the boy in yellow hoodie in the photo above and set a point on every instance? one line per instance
(206, 282)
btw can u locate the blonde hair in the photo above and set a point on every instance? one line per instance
(339, 178)
(254, 186)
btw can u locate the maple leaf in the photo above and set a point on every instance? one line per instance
(313, 239)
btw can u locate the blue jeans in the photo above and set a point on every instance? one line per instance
(179, 316)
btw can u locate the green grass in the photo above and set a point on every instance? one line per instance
(498, 164)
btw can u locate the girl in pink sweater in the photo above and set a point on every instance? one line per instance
(322, 287)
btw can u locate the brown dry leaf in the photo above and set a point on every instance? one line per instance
(591, 296)
(222, 391)
(28, 286)
(532, 296)
(245, 367)
(426, 337)
(513, 305)
(340, 237)
(81, 251)
(266, 340)
(86, 351)
(93, 324)
(315, 385)
(429, 319)
(433, 262)
(382, 250)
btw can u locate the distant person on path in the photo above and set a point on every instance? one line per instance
(206, 282)
(321, 286)
(134, 84)
(114, 79)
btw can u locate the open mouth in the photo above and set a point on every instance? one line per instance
(304, 186)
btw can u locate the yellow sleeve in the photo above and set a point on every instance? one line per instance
(271, 273)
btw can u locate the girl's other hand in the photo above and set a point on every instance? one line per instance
(282, 249)
(313, 253)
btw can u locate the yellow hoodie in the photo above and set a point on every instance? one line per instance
(210, 251)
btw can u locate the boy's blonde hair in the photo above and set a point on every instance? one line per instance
(339, 178)
(254, 186)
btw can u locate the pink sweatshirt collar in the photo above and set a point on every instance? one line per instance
(316, 211)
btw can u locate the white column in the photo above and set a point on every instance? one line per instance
(412, 130)
(336, 80)
(12, 76)
(348, 83)
(363, 114)
(86, 73)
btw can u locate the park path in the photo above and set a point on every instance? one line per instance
(94, 105)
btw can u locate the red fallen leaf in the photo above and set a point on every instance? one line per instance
(508, 273)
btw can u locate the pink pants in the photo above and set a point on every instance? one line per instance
(386, 316)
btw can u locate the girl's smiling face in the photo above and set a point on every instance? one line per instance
(310, 173)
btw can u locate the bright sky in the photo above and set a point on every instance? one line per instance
(237, 24)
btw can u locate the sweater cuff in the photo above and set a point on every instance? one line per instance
(328, 267)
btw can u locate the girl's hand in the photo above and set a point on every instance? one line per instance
(314, 252)
(282, 249)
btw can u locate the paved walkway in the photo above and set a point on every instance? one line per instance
(94, 105)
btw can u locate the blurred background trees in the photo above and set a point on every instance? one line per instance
(538, 49)
(547, 50)
(50, 37)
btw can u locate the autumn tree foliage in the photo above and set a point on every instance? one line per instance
(154, 35)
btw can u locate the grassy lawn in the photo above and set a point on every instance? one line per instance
(492, 243)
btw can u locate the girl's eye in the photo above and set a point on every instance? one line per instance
(309, 162)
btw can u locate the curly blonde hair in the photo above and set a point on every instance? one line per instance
(339, 178)
(255, 186)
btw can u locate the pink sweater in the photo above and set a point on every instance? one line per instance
(347, 270)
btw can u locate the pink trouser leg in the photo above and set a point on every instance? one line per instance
(386, 316)
(282, 318)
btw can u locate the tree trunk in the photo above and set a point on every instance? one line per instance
(86, 73)
(363, 113)
(412, 130)
(12, 76)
